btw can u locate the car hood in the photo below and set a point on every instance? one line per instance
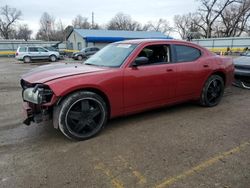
(50, 72)
(242, 61)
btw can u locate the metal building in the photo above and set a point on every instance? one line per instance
(9, 46)
(232, 44)
(81, 38)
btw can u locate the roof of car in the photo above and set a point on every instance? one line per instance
(173, 41)
(139, 41)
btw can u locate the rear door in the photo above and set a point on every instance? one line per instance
(187, 59)
(33, 52)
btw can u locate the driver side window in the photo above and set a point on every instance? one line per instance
(156, 54)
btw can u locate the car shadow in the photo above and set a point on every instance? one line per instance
(128, 120)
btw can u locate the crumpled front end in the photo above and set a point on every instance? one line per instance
(37, 102)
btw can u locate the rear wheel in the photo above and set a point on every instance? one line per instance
(212, 91)
(52, 58)
(26, 59)
(82, 115)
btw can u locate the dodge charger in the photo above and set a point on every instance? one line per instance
(123, 78)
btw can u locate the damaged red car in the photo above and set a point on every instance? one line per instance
(123, 78)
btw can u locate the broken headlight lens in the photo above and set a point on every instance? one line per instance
(37, 94)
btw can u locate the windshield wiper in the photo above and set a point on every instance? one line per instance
(87, 64)
(95, 65)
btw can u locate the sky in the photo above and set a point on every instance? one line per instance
(140, 10)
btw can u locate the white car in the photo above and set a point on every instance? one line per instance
(27, 54)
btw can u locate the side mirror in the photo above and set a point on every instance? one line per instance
(140, 61)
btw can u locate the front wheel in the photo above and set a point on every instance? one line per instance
(212, 91)
(82, 115)
(79, 57)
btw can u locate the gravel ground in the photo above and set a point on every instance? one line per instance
(180, 146)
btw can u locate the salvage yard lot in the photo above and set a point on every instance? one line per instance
(180, 146)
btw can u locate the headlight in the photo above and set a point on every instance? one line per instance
(31, 96)
(37, 95)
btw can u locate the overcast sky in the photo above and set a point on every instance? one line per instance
(104, 10)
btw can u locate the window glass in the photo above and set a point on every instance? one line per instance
(41, 50)
(93, 49)
(87, 50)
(22, 49)
(186, 53)
(112, 55)
(156, 54)
(79, 45)
(33, 49)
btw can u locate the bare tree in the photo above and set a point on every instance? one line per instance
(8, 17)
(23, 32)
(123, 21)
(234, 19)
(59, 33)
(185, 25)
(47, 27)
(80, 22)
(161, 25)
(209, 12)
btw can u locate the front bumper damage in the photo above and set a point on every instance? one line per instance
(34, 113)
(37, 102)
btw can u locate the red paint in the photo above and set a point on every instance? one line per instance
(134, 89)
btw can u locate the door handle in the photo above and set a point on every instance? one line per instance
(169, 70)
(205, 66)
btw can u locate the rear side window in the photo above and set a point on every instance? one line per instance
(186, 53)
(94, 49)
(22, 49)
(33, 49)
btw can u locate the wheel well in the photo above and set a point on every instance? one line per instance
(94, 90)
(221, 74)
(26, 56)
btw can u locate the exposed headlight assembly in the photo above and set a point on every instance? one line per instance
(37, 94)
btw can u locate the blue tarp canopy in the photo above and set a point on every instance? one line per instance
(115, 39)
(103, 35)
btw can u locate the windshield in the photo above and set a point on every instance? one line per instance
(113, 55)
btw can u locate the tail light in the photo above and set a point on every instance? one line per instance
(16, 54)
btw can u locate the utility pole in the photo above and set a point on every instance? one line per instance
(92, 20)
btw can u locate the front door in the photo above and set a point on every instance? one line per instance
(151, 84)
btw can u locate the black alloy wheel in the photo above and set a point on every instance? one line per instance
(212, 91)
(82, 115)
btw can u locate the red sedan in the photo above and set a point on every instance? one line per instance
(123, 78)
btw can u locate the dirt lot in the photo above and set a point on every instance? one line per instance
(181, 146)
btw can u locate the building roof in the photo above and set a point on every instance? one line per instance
(117, 35)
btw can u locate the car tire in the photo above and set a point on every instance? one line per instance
(53, 58)
(79, 57)
(82, 115)
(212, 91)
(26, 59)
